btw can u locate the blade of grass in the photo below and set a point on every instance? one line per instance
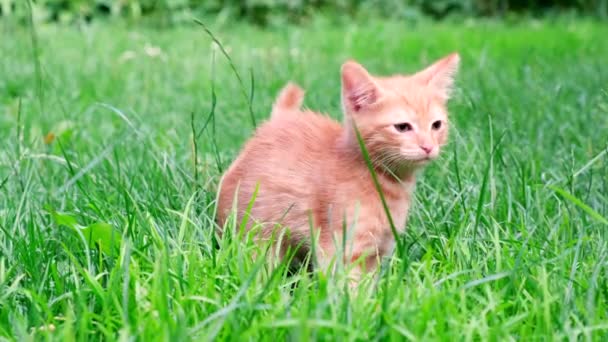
(463, 201)
(211, 114)
(484, 185)
(36, 57)
(194, 150)
(370, 167)
(573, 199)
(249, 97)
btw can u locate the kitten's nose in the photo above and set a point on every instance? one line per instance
(426, 148)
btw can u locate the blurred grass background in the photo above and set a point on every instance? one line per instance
(268, 12)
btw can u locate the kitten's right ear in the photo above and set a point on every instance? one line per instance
(358, 87)
(440, 75)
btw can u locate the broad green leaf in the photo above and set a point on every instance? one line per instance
(64, 219)
(103, 235)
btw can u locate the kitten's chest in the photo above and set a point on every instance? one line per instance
(399, 211)
(367, 210)
(398, 198)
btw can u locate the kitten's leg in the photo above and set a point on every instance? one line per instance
(276, 239)
(362, 264)
(325, 256)
(365, 255)
(361, 257)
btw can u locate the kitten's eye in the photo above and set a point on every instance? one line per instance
(403, 127)
(436, 125)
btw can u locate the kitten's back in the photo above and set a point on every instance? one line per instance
(285, 158)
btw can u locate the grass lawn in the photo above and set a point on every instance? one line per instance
(508, 238)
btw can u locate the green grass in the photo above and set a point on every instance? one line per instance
(507, 239)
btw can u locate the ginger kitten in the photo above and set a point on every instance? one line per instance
(310, 170)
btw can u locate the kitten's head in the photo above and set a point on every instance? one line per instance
(402, 119)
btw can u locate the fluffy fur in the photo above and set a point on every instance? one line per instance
(311, 173)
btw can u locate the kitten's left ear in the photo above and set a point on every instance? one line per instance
(359, 90)
(440, 75)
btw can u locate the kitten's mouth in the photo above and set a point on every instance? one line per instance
(422, 160)
(407, 164)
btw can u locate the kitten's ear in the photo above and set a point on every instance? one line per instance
(358, 87)
(440, 75)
